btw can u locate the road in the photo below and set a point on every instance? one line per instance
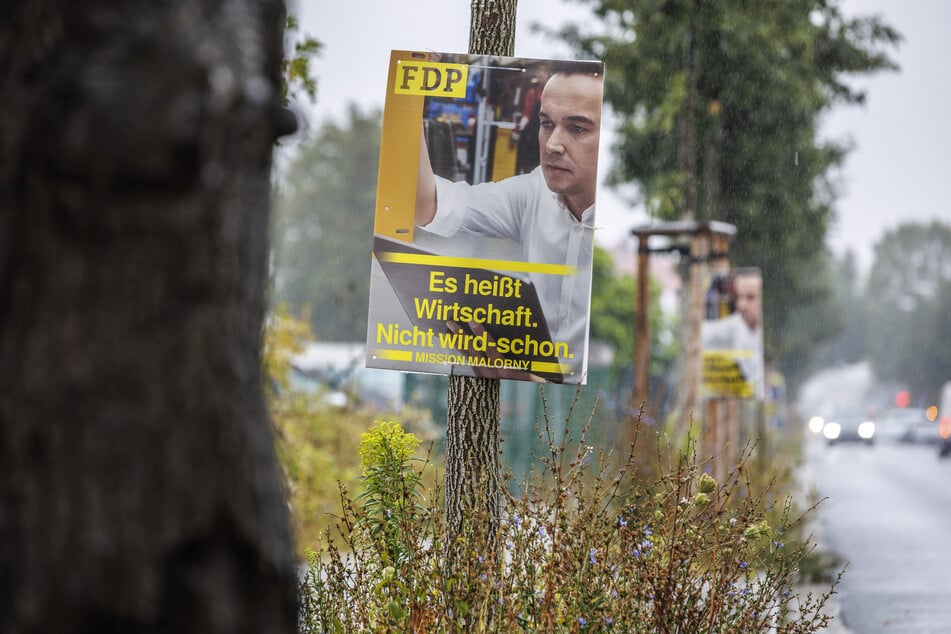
(888, 514)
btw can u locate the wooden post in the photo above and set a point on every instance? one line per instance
(693, 320)
(721, 425)
(642, 328)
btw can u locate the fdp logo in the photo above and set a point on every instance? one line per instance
(434, 79)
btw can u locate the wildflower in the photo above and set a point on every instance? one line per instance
(386, 441)
(517, 521)
(608, 621)
(743, 565)
(706, 483)
(701, 500)
(761, 529)
(636, 553)
(591, 556)
(582, 621)
(622, 522)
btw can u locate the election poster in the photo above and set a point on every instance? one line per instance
(484, 223)
(733, 336)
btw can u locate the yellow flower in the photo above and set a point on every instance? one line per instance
(706, 483)
(386, 441)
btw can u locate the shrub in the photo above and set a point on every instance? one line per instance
(583, 548)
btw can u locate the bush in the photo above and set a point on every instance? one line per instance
(583, 548)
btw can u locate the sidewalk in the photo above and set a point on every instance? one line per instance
(805, 479)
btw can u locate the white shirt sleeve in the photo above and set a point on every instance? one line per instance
(490, 209)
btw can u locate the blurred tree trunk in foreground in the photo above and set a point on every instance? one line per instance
(138, 487)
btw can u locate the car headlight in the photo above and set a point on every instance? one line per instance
(866, 430)
(831, 430)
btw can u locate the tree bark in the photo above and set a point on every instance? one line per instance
(139, 490)
(492, 27)
(473, 470)
(473, 473)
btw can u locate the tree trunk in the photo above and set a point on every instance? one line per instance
(492, 27)
(473, 477)
(138, 486)
(688, 397)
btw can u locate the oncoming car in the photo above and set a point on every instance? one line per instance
(849, 429)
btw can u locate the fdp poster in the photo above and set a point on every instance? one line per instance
(733, 336)
(485, 216)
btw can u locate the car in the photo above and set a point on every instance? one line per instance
(902, 424)
(849, 428)
(918, 428)
(944, 420)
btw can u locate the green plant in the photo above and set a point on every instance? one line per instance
(584, 547)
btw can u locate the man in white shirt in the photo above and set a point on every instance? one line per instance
(741, 332)
(549, 212)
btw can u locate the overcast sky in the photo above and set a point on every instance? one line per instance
(898, 171)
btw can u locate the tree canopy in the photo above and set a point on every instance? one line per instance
(324, 226)
(719, 106)
(908, 298)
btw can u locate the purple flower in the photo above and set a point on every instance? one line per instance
(582, 621)
(591, 556)
(743, 565)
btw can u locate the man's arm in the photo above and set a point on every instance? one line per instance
(425, 186)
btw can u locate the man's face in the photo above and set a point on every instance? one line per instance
(568, 137)
(749, 298)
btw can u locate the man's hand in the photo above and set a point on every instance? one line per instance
(489, 371)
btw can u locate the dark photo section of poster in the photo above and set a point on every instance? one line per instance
(733, 336)
(484, 226)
